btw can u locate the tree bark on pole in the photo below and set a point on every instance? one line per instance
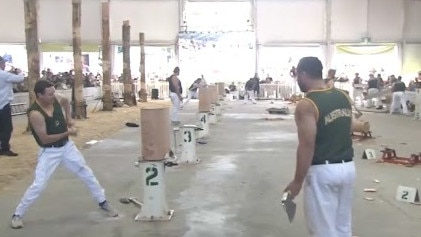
(106, 58)
(127, 75)
(143, 94)
(79, 104)
(32, 48)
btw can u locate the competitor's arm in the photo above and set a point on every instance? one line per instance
(306, 116)
(65, 103)
(306, 119)
(37, 122)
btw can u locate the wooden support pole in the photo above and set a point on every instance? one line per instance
(32, 48)
(143, 94)
(78, 103)
(106, 58)
(127, 74)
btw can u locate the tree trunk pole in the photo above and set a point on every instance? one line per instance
(143, 94)
(79, 112)
(32, 48)
(106, 58)
(127, 75)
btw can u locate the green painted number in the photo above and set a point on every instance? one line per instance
(187, 137)
(405, 195)
(153, 175)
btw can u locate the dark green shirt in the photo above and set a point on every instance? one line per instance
(55, 125)
(399, 86)
(333, 139)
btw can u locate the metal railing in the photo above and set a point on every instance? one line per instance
(18, 108)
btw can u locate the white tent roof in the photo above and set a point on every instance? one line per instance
(277, 21)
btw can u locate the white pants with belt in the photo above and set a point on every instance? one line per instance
(398, 99)
(328, 193)
(48, 160)
(378, 100)
(190, 95)
(249, 96)
(175, 107)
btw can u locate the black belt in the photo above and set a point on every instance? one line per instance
(327, 162)
(57, 144)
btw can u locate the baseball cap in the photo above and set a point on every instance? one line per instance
(311, 65)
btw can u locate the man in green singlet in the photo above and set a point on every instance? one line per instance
(51, 129)
(325, 164)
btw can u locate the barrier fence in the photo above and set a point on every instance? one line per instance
(275, 91)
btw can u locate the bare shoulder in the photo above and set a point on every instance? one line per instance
(58, 97)
(306, 106)
(35, 116)
(61, 99)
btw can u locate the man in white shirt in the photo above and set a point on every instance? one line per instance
(6, 97)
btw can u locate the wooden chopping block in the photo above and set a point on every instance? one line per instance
(360, 126)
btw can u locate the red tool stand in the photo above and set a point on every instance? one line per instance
(361, 135)
(389, 156)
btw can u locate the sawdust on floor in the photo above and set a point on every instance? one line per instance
(98, 126)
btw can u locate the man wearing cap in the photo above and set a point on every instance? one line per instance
(6, 97)
(325, 164)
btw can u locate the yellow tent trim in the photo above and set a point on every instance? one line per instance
(52, 47)
(365, 49)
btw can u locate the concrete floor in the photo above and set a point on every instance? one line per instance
(234, 191)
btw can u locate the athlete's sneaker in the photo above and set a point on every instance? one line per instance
(107, 208)
(17, 222)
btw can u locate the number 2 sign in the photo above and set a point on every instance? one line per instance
(407, 194)
(152, 174)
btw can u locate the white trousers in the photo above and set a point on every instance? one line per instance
(175, 107)
(249, 96)
(328, 193)
(48, 160)
(398, 99)
(378, 101)
(190, 95)
(357, 94)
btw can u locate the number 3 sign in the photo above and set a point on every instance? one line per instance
(187, 136)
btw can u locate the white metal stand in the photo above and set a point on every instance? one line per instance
(212, 118)
(218, 110)
(188, 154)
(154, 206)
(418, 104)
(212, 115)
(175, 132)
(204, 124)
